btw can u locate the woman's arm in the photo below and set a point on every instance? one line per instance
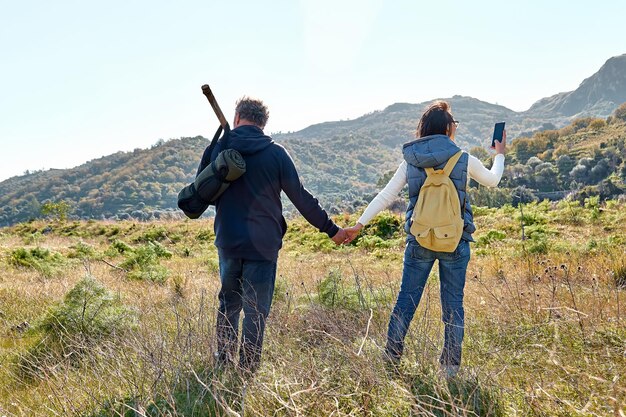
(478, 172)
(386, 196)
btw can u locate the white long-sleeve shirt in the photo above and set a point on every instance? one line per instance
(475, 168)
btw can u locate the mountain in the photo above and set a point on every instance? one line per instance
(597, 95)
(341, 162)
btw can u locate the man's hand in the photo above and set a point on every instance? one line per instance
(340, 237)
(352, 232)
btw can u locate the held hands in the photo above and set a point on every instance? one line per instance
(353, 232)
(340, 237)
(347, 235)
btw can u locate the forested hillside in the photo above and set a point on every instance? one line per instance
(584, 159)
(344, 170)
(140, 183)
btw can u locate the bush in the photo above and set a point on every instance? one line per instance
(619, 275)
(620, 113)
(118, 247)
(88, 315)
(82, 250)
(153, 234)
(489, 197)
(597, 124)
(39, 259)
(332, 292)
(491, 237)
(143, 263)
(538, 243)
(385, 226)
(89, 311)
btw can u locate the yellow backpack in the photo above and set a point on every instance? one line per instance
(436, 222)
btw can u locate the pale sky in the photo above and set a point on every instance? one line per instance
(83, 79)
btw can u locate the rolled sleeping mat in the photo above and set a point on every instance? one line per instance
(190, 203)
(211, 183)
(215, 178)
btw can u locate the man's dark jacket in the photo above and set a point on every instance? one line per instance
(249, 222)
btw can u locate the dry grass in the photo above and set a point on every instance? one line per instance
(545, 331)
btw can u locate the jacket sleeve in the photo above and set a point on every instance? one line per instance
(302, 199)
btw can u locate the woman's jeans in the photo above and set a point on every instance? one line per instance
(247, 285)
(418, 262)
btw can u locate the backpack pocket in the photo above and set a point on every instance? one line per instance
(446, 232)
(447, 237)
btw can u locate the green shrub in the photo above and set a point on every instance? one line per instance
(374, 242)
(156, 234)
(88, 310)
(118, 247)
(531, 218)
(40, 259)
(538, 243)
(332, 292)
(143, 263)
(490, 237)
(82, 250)
(88, 315)
(385, 226)
(205, 235)
(470, 395)
(619, 274)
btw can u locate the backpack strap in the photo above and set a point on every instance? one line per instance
(452, 162)
(449, 165)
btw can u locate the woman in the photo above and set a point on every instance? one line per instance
(433, 147)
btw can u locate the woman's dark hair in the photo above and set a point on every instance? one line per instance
(435, 121)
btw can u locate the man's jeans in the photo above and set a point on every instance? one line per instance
(249, 285)
(418, 262)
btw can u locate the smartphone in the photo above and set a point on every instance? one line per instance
(498, 131)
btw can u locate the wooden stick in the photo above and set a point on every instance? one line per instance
(206, 90)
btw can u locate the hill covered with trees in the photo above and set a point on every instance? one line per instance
(585, 158)
(564, 145)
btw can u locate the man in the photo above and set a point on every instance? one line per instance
(249, 227)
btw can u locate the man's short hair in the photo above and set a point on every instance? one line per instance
(253, 110)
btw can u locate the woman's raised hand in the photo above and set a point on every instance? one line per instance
(501, 145)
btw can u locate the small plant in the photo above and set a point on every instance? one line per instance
(179, 285)
(491, 237)
(385, 226)
(538, 243)
(143, 263)
(118, 247)
(40, 259)
(57, 210)
(88, 310)
(156, 234)
(88, 315)
(332, 292)
(281, 289)
(82, 250)
(205, 235)
(619, 275)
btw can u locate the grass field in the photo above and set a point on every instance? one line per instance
(106, 319)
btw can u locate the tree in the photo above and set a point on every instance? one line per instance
(564, 164)
(479, 152)
(620, 112)
(56, 210)
(546, 177)
(580, 174)
(600, 171)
